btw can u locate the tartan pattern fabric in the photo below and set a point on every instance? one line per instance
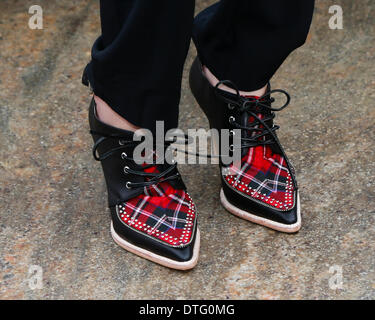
(161, 212)
(264, 176)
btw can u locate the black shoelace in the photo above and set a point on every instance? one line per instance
(259, 132)
(153, 178)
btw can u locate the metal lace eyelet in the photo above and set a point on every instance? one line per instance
(232, 119)
(230, 106)
(128, 185)
(232, 133)
(121, 142)
(231, 148)
(126, 168)
(123, 156)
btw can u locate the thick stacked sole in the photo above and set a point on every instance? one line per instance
(166, 262)
(288, 228)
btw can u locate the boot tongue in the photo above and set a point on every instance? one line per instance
(246, 119)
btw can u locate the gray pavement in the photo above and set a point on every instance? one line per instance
(53, 210)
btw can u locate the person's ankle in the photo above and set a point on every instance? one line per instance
(214, 81)
(110, 117)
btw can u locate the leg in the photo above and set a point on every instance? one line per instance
(245, 42)
(137, 63)
(136, 74)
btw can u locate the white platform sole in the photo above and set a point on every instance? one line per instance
(166, 262)
(288, 228)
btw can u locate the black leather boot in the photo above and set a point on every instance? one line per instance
(263, 188)
(152, 214)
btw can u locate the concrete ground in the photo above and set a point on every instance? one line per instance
(53, 210)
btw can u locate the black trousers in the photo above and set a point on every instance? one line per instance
(138, 60)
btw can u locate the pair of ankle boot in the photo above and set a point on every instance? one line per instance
(152, 213)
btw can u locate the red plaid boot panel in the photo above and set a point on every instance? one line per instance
(162, 212)
(263, 176)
